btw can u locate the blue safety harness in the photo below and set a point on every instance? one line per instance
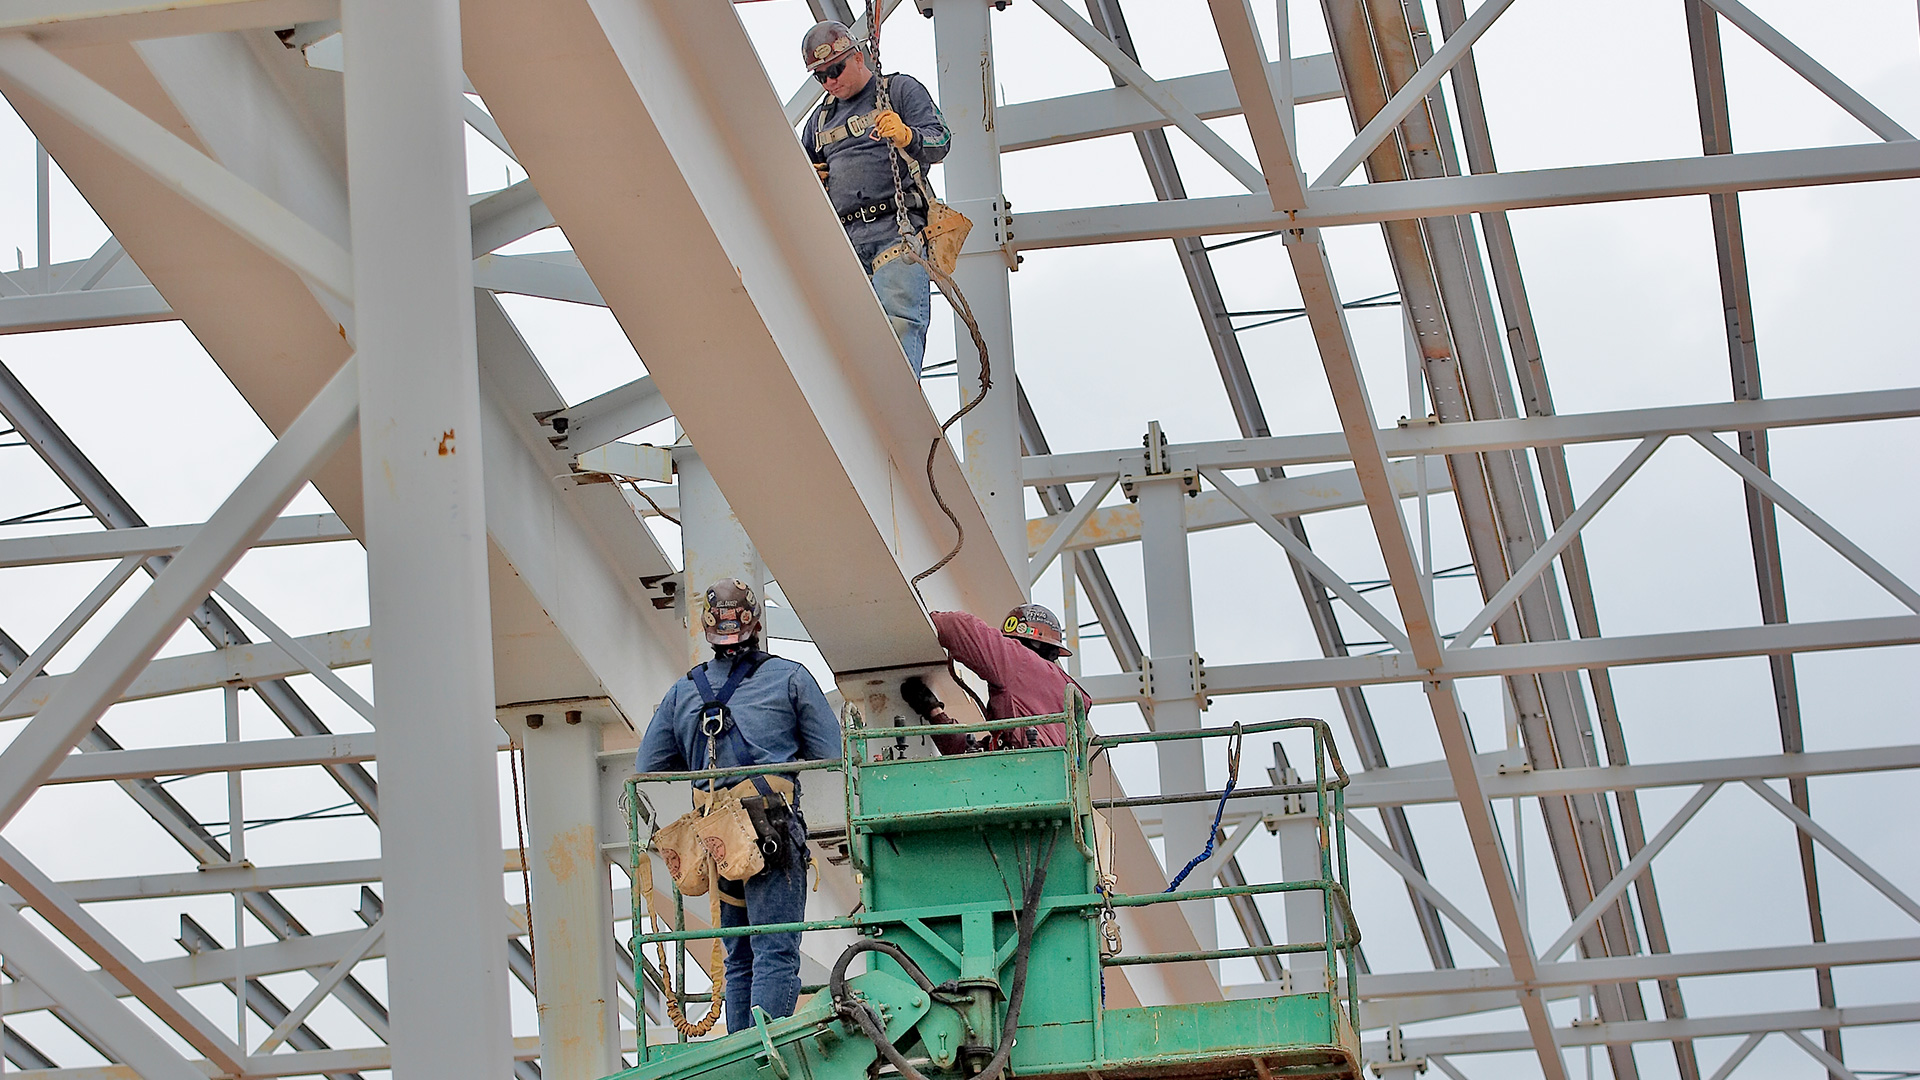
(717, 722)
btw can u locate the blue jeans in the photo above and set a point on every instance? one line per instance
(764, 969)
(905, 295)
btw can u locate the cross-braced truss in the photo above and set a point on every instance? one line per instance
(285, 178)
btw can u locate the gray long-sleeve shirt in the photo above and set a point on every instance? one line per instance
(858, 170)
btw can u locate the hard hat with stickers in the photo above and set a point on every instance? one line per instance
(1034, 622)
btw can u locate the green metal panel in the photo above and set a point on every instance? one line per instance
(1163, 1033)
(931, 793)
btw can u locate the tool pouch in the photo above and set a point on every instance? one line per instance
(946, 233)
(680, 848)
(729, 836)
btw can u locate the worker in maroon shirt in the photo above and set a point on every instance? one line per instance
(1017, 660)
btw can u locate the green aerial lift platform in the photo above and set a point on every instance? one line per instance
(981, 881)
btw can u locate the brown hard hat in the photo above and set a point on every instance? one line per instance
(1034, 622)
(826, 44)
(732, 612)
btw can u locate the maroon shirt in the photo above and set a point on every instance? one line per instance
(1019, 681)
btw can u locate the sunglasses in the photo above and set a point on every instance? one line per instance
(831, 72)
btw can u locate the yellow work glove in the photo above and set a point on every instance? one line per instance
(890, 127)
(821, 168)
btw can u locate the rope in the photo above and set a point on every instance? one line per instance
(638, 490)
(1233, 777)
(676, 1013)
(516, 764)
(948, 288)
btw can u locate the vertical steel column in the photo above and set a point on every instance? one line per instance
(426, 540)
(1176, 707)
(1298, 832)
(572, 912)
(712, 544)
(990, 434)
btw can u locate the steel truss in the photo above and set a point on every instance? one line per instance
(266, 244)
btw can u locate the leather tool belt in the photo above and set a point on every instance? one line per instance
(883, 208)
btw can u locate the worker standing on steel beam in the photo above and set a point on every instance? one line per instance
(1019, 662)
(745, 707)
(852, 138)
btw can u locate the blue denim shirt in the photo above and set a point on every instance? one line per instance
(859, 170)
(780, 711)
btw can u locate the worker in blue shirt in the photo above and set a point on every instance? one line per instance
(853, 141)
(777, 714)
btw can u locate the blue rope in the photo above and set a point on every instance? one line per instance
(1233, 777)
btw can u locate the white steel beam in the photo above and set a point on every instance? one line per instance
(1634, 868)
(1390, 986)
(1264, 102)
(156, 540)
(243, 664)
(1809, 69)
(123, 1034)
(1747, 1046)
(1165, 103)
(1411, 95)
(1419, 881)
(1479, 193)
(572, 911)
(1832, 843)
(86, 21)
(79, 926)
(178, 165)
(1480, 436)
(1314, 565)
(615, 414)
(291, 646)
(289, 753)
(1539, 656)
(423, 494)
(1290, 496)
(31, 667)
(1121, 110)
(1637, 1031)
(990, 431)
(554, 275)
(40, 312)
(1815, 524)
(217, 879)
(112, 666)
(1406, 785)
(1569, 529)
(1818, 1053)
(1334, 340)
(832, 485)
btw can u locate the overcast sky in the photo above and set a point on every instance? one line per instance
(1626, 298)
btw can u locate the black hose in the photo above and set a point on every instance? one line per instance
(869, 1023)
(837, 981)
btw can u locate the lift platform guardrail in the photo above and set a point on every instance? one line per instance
(932, 841)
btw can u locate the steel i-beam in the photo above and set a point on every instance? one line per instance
(1335, 343)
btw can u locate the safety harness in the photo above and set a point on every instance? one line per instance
(770, 807)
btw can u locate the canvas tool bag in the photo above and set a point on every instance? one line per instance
(680, 848)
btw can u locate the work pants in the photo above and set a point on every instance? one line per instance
(764, 969)
(906, 295)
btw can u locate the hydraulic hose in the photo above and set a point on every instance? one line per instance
(869, 1023)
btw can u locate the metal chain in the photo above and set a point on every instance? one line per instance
(948, 288)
